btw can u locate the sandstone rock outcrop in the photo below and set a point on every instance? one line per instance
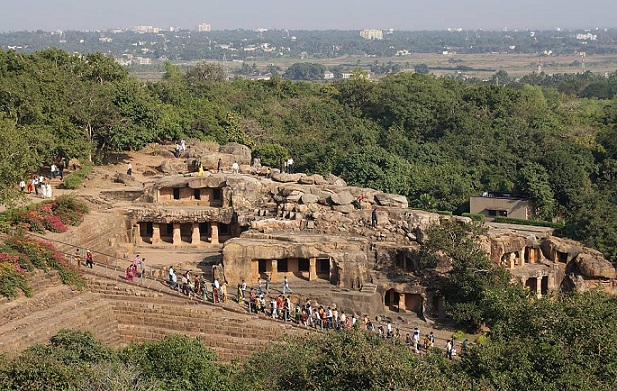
(592, 264)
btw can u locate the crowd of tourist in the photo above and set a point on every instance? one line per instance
(258, 300)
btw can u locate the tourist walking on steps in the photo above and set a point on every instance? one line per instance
(142, 267)
(286, 286)
(267, 284)
(89, 260)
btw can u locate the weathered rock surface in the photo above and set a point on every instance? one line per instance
(342, 198)
(241, 153)
(592, 264)
(124, 178)
(392, 200)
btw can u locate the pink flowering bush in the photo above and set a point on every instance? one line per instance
(12, 276)
(31, 253)
(53, 224)
(53, 216)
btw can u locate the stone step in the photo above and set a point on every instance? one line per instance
(85, 312)
(368, 288)
(42, 299)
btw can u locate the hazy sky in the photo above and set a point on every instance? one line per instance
(16, 15)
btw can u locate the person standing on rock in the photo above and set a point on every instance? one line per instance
(374, 218)
(290, 163)
(286, 286)
(235, 167)
(219, 166)
(129, 169)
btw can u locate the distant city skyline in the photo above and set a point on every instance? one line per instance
(406, 15)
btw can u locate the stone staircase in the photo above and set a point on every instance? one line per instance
(151, 311)
(84, 311)
(368, 288)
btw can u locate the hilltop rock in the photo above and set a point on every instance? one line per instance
(309, 198)
(592, 264)
(392, 200)
(335, 180)
(286, 178)
(342, 198)
(124, 178)
(241, 153)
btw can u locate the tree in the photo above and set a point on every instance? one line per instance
(534, 182)
(205, 72)
(422, 69)
(305, 71)
(477, 291)
(19, 157)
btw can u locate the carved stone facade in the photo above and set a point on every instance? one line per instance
(319, 229)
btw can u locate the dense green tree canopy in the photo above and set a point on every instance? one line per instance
(414, 134)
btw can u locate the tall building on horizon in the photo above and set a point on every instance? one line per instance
(204, 27)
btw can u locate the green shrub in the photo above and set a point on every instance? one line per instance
(474, 216)
(74, 179)
(443, 212)
(537, 223)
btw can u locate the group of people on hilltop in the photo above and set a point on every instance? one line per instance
(39, 183)
(179, 148)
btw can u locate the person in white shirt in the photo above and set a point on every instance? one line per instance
(53, 170)
(22, 186)
(290, 163)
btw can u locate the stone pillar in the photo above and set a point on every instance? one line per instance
(312, 269)
(511, 258)
(214, 232)
(275, 271)
(137, 235)
(539, 286)
(401, 302)
(522, 256)
(156, 233)
(177, 239)
(195, 234)
(254, 269)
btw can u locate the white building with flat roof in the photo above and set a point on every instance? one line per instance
(204, 27)
(372, 34)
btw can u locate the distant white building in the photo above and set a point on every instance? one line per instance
(372, 34)
(586, 37)
(142, 60)
(204, 27)
(327, 75)
(145, 29)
